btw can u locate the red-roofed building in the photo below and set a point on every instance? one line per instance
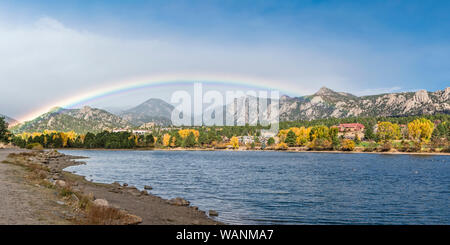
(350, 127)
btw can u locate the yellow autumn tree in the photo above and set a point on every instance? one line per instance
(348, 145)
(185, 133)
(282, 146)
(135, 138)
(72, 135)
(49, 132)
(36, 134)
(24, 135)
(82, 137)
(301, 134)
(64, 138)
(234, 141)
(166, 139)
(319, 132)
(388, 131)
(420, 130)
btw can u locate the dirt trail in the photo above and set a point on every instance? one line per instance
(25, 204)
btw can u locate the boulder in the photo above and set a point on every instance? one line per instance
(61, 183)
(125, 184)
(101, 203)
(213, 213)
(131, 219)
(179, 202)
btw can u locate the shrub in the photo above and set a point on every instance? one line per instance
(348, 145)
(446, 149)
(319, 144)
(282, 146)
(387, 146)
(220, 146)
(371, 147)
(407, 147)
(34, 146)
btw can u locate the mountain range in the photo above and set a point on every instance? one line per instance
(82, 120)
(322, 104)
(9, 120)
(328, 103)
(152, 110)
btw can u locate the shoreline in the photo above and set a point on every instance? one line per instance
(143, 207)
(255, 150)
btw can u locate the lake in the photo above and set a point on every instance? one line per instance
(250, 187)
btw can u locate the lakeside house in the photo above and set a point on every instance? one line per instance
(351, 130)
(267, 134)
(245, 139)
(350, 127)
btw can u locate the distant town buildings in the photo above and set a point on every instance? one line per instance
(138, 132)
(148, 125)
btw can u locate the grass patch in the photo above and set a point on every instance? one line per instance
(99, 215)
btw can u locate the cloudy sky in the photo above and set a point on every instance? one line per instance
(52, 50)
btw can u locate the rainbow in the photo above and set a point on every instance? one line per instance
(134, 84)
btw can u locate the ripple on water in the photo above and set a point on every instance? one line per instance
(287, 188)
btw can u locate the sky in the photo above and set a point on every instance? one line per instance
(54, 50)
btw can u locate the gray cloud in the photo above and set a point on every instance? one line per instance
(46, 61)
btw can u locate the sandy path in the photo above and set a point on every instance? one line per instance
(22, 203)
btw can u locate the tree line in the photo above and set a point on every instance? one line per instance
(316, 134)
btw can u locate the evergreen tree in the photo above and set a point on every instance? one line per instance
(334, 134)
(368, 133)
(149, 140)
(203, 138)
(3, 130)
(190, 140)
(290, 138)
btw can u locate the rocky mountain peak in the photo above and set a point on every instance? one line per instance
(55, 109)
(324, 91)
(446, 94)
(85, 109)
(152, 110)
(422, 96)
(284, 97)
(9, 120)
(153, 101)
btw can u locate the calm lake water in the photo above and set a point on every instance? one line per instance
(287, 188)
